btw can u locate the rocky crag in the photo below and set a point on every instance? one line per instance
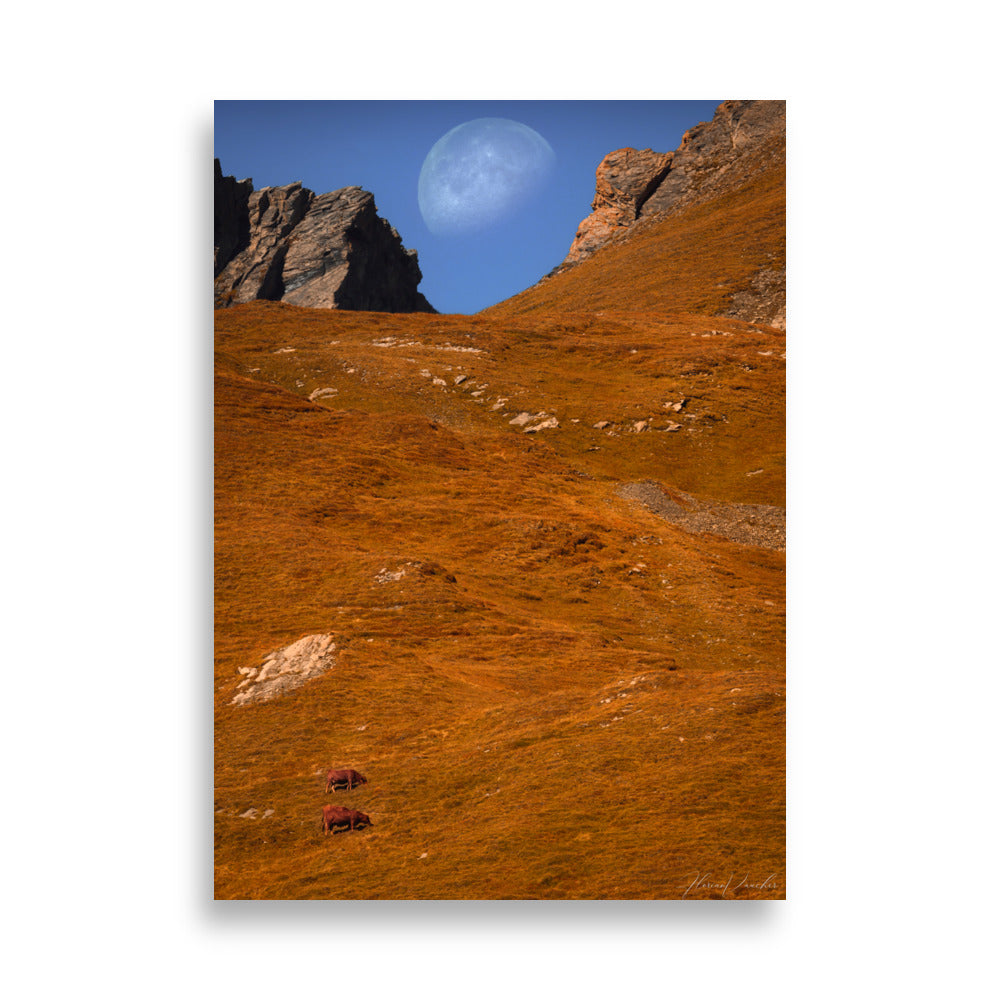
(635, 187)
(328, 251)
(742, 138)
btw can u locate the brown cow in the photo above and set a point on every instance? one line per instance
(339, 816)
(345, 776)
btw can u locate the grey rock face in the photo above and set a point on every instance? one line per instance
(329, 251)
(742, 138)
(256, 271)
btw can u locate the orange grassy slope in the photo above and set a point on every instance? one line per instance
(554, 691)
(696, 261)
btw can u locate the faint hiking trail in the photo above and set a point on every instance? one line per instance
(744, 523)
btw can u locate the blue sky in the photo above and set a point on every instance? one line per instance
(381, 146)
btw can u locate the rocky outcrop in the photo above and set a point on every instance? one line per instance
(742, 138)
(625, 180)
(329, 251)
(255, 271)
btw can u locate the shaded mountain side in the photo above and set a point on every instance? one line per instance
(329, 251)
(232, 217)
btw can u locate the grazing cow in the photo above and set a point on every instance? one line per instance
(339, 816)
(345, 776)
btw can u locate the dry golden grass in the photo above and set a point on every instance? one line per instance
(563, 696)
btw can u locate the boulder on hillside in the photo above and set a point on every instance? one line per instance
(329, 251)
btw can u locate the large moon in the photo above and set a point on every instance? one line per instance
(480, 173)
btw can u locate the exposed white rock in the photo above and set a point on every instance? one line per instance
(395, 342)
(640, 425)
(543, 426)
(546, 420)
(323, 393)
(388, 576)
(285, 669)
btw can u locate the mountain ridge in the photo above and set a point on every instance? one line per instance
(328, 251)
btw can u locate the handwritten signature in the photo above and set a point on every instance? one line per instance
(704, 881)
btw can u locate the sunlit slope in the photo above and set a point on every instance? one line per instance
(475, 374)
(553, 692)
(695, 261)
